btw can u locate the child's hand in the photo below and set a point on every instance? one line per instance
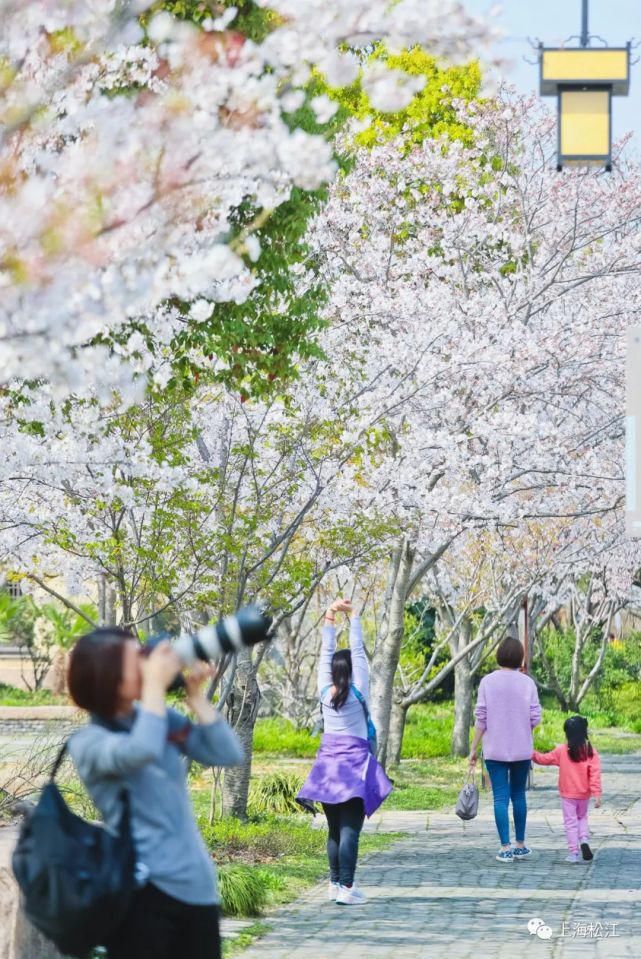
(597, 802)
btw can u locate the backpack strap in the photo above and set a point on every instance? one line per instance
(369, 722)
(62, 752)
(361, 700)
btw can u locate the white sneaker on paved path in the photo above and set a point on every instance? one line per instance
(333, 890)
(573, 858)
(350, 896)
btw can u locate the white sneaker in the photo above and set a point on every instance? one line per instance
(333, 890)
(573, 858)
(350, 896)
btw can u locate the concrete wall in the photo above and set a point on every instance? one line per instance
(12, 667)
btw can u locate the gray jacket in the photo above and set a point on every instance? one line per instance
(148, 758)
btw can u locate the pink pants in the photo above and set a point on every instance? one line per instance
(575, 820)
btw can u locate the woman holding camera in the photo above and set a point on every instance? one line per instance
(134, 742)
(346, 777)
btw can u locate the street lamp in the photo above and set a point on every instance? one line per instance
(584, 79)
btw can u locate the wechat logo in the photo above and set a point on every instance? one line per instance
(537, 927)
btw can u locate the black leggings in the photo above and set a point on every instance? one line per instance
(345, 821)
(158, 926)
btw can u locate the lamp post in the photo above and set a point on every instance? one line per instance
(584, 79)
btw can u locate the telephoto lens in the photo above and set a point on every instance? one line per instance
(250, 625)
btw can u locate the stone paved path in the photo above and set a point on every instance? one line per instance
(439, 894)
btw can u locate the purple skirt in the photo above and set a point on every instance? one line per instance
(346, 769)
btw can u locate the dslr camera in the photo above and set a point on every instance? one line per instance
(250, 625)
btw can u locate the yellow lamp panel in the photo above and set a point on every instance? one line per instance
(585, 123)
(587, 65)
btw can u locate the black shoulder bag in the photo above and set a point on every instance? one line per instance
(77, 878)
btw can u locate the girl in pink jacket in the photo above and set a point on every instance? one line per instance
(579, 778)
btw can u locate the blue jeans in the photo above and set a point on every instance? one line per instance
(508, 782)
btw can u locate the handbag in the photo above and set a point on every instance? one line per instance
(77, 878)
(467, 804)
(372, 735)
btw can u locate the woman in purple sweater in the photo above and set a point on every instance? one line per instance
(346, 778)
(507, 711)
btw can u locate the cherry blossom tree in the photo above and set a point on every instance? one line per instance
(466, 383)
(183, 509)
(483, 298)
(572, 614)
(126, 150)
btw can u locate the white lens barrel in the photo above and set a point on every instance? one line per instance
(232, 628)
(208, 639)
(184, 649)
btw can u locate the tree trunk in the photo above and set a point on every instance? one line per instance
(550, 672)
(462, 708)
(110, 605)
(102, 585)
(242, 710)
(106, 601)
(388, 646)
(396, 733)
(58, 672)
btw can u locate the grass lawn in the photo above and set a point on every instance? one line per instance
(428, 784)
(278, 737)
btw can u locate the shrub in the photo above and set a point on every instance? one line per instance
(621, 666)
(275, 794)
(13, 696)
(243, 890)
